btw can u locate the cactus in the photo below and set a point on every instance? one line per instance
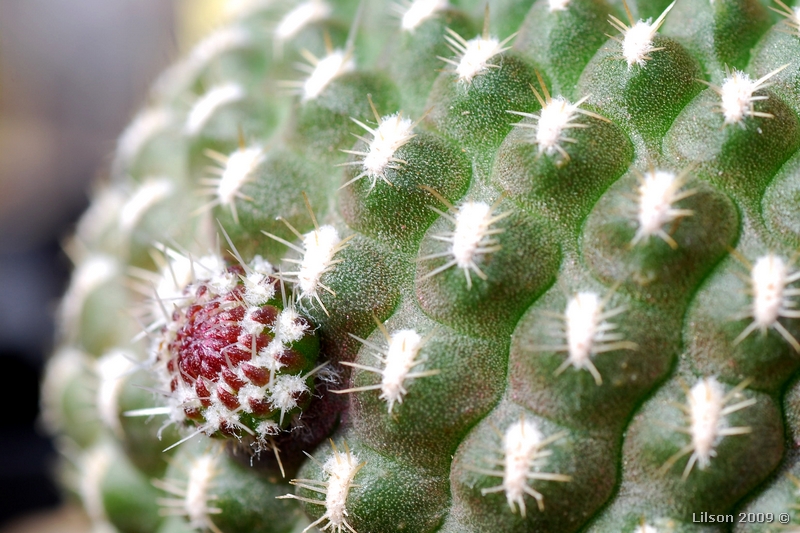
(447, 267)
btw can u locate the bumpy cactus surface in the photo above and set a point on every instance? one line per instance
(447, 267)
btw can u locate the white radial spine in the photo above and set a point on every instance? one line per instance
(791, 14)
(341, 469)
(582, 321)
(285, 390)
(737, 95)
(392, 133)
(216, 44)
(234, 172)
(555, 117)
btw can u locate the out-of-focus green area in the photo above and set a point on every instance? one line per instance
(72, 75)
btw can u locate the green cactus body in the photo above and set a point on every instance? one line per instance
(448, 279)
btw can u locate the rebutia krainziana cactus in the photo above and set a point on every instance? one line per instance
(447, 267)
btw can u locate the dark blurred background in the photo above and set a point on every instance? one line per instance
(72, 73)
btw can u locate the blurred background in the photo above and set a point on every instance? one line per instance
(72, 74)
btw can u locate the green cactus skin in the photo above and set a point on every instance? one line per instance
(551, 276)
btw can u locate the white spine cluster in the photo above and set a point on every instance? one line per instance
(393, 132)
(205, 107)
(239, 9)
(237, 172)
(587, 332)
(111, 369)
(62, 368)
(324, 71)
(318, 249)
(216, 44)
(473, 56)
(705, 414)
(473, 236)
(637, 41)
(523, 451)
(103, 213)
(236, 169)
(772, 298)
(94, 468)
(194, 499)
(89, 274)
(658, 191)
(399, 359)
(144, 127)
(645, 528)
(737, 96)
(340, 469)
(149, 193)
(521, 443)
(300, 17)
(706, 411)
(558, 5)
(556, 116)
(419, 11)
